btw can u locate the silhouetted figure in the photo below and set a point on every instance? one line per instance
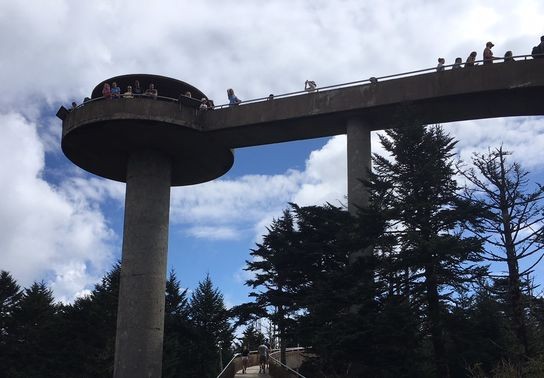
(458, 64)
(508, 56)
(74, 105)
(136, 89)
(440, 65)
(538, 50)
(263, 357)
(471, 59)
(310, 85)
(233, 100)
(488, 54)
(270, 96)
(373, 80)
(245, 359)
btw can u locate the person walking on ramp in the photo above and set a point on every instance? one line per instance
(263, 356)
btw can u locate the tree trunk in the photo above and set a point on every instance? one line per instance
(514, 282)
(437, 337)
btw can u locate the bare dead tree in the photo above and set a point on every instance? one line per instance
(513, 224)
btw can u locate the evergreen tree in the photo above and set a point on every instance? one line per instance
(214, 334)
(179, 334)
(427, 216)
(10, 298)
(273, 265)
(35, 334)
(513, 226)
(89, 326)
(252, 338)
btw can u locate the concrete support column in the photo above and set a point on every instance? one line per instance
(140, 314)
(359, 160)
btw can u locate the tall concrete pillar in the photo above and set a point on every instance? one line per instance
(359, 160)
(140, 316)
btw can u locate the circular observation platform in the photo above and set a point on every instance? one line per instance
(101, 134)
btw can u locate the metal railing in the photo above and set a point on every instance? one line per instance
(121, 97)
(289, 371)
(371, 80)
(230, 370)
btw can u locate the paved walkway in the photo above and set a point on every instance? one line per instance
(252, 372)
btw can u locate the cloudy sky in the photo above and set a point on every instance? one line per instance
(64, 226)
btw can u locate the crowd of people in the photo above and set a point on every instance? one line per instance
(114, 91)
(488, 58)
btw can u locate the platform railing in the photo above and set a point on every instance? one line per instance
(230, 370)
(278, 369)
(370, 81)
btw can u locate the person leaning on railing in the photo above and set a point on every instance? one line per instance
(106, 91)
(152, 91)
(508, 57)
(458, 64)
(115, 91)
(233, 100)
(128, 93)
(471, 59)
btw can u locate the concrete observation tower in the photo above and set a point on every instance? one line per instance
(151, 144)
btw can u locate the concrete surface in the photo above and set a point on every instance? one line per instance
(140, 314)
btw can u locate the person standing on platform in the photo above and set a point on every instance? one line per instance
(488, 54)
(538, 50)
(440, 65)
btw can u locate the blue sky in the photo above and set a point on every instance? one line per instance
(64, 226)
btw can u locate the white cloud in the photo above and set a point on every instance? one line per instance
(59, 50)
(524, 136)
(213, 233)
(44, 233)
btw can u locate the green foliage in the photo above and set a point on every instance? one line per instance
(252, 338)
(213, 331)
(419, 200)
(42, 339)
(10, 297)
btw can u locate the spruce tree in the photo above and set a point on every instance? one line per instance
(179, 334)
(35, 334)
(426, 215)
(273, 264)
(213, 331)
(10, 298)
